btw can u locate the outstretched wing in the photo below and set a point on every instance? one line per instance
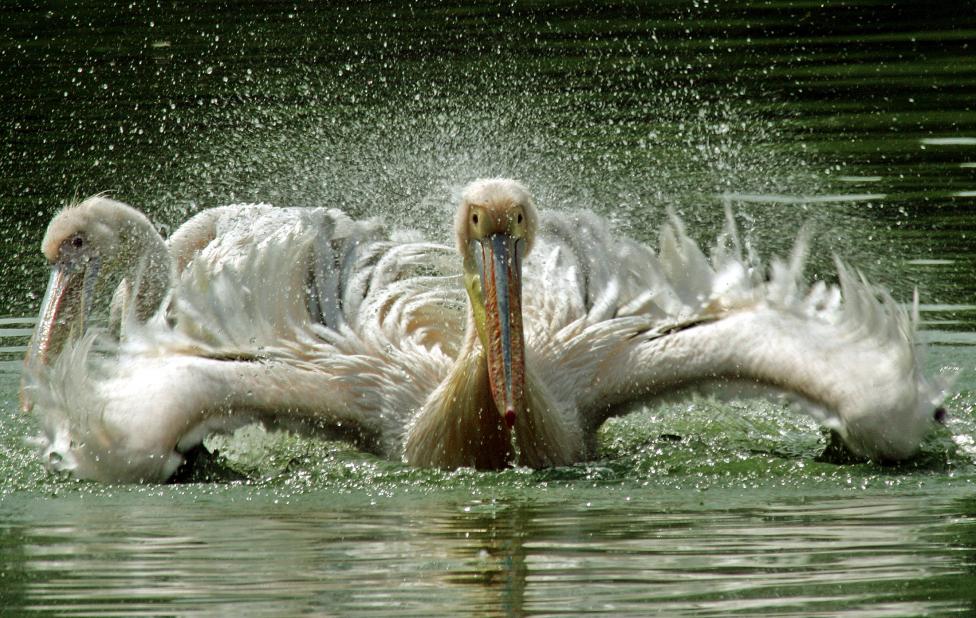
(311, 289)
(634, 325)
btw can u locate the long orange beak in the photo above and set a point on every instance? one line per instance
(499, 264)
(65, 308)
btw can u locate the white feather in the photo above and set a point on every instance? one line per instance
(305, 316)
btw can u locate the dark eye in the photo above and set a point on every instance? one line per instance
(520, 218)
(78, 242)
(474, 218)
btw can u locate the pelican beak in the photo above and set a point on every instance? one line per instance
(499, 264)
(65, 309)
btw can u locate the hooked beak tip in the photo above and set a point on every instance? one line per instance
(510, 417)
(502, 337)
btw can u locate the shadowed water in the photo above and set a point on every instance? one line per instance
(857, 120)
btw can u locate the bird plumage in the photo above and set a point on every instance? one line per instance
(306, 318)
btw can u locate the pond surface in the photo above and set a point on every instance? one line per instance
(859, 120)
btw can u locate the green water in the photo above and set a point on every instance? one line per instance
(860, 120)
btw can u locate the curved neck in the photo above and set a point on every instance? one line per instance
(147, 276)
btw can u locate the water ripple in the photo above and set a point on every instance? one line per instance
(575, 552)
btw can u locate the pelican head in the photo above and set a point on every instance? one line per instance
(495, 227)
(84, 245)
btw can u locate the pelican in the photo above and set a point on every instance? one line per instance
(97, 243)
(82, 244)
(512, 347)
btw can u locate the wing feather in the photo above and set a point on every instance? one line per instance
(678, 320)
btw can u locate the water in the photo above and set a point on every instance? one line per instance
(582, 550)
(859, 120)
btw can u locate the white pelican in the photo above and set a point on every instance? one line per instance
(86, 245)
(306, 318)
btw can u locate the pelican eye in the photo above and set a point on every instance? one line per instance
(474, 218)
(520, 218)
(78, 242)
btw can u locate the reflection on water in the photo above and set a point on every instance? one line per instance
(603, 551)
(856, 117)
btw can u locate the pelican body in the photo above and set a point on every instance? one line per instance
(512, 347)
